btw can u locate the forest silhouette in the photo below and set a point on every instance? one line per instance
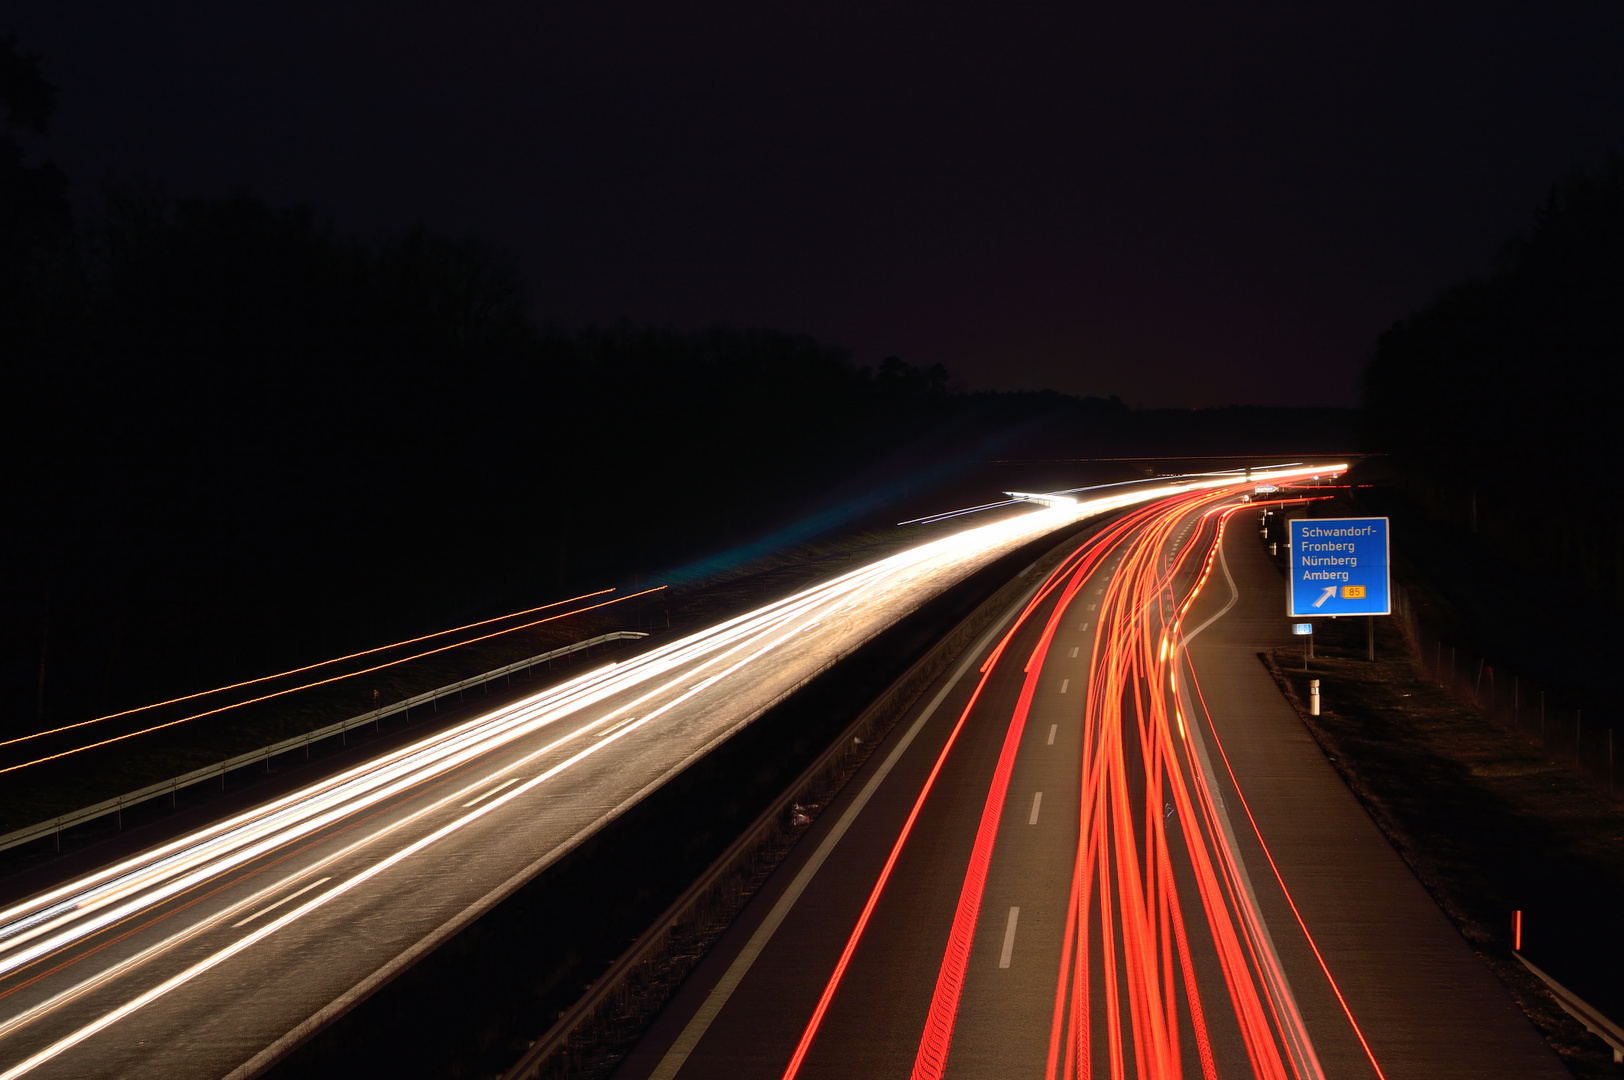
(237, 440)
(1502, 402)
(1501, 408)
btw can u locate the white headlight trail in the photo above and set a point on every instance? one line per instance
(678, 671)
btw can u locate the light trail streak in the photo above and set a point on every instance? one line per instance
(1141, 930)
(183, 864)
(1189, 671)
(931, 1059)
(1149, 530)
(811, 1031)
(1153, 838)
(615, 702)
(288, 899)
(301, 670)
(320, 682)
(1126, 877)
(65, 924)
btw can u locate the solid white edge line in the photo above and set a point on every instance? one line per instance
(1234, 598)
(1303, 1056)
(1009, 938)
(711, 1008)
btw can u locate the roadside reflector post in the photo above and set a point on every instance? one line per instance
(1313, 697)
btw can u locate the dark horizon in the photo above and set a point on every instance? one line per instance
(1196, 210)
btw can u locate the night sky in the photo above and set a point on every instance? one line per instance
(1182, 205)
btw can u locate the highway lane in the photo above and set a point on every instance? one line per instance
(1428, 1005)
(211, 954)
(875, 1019)
(1087, 809)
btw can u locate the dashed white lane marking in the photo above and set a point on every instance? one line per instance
(611, 729)
(1037, 801)
(481, 798)
(1091, 607)
(677, 1054)
(1009, 938)
(279, 903)
(1063, 684)
(1074, 649)
(1052, 729)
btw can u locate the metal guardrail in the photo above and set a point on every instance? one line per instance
(1603, 1028)
(53, 827)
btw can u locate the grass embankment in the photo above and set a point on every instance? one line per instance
(1488, 823)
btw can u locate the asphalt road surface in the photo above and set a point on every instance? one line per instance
(216, 952)
(1056, 867)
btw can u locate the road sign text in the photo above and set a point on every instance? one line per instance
(1338, 566)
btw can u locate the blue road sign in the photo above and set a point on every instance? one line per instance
(1339, 566)
(1302, 628)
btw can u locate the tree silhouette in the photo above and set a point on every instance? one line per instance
(1507, 393)
(35, 217)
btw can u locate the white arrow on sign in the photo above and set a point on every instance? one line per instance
(1330, 591)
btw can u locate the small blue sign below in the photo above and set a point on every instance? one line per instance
(1301, 628)
(1339, 567)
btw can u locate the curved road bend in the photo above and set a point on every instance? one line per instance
(210, 954)
(1034, 815)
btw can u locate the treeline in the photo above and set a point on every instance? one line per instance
(234, 439)
(1502, 402)
(237, 440)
